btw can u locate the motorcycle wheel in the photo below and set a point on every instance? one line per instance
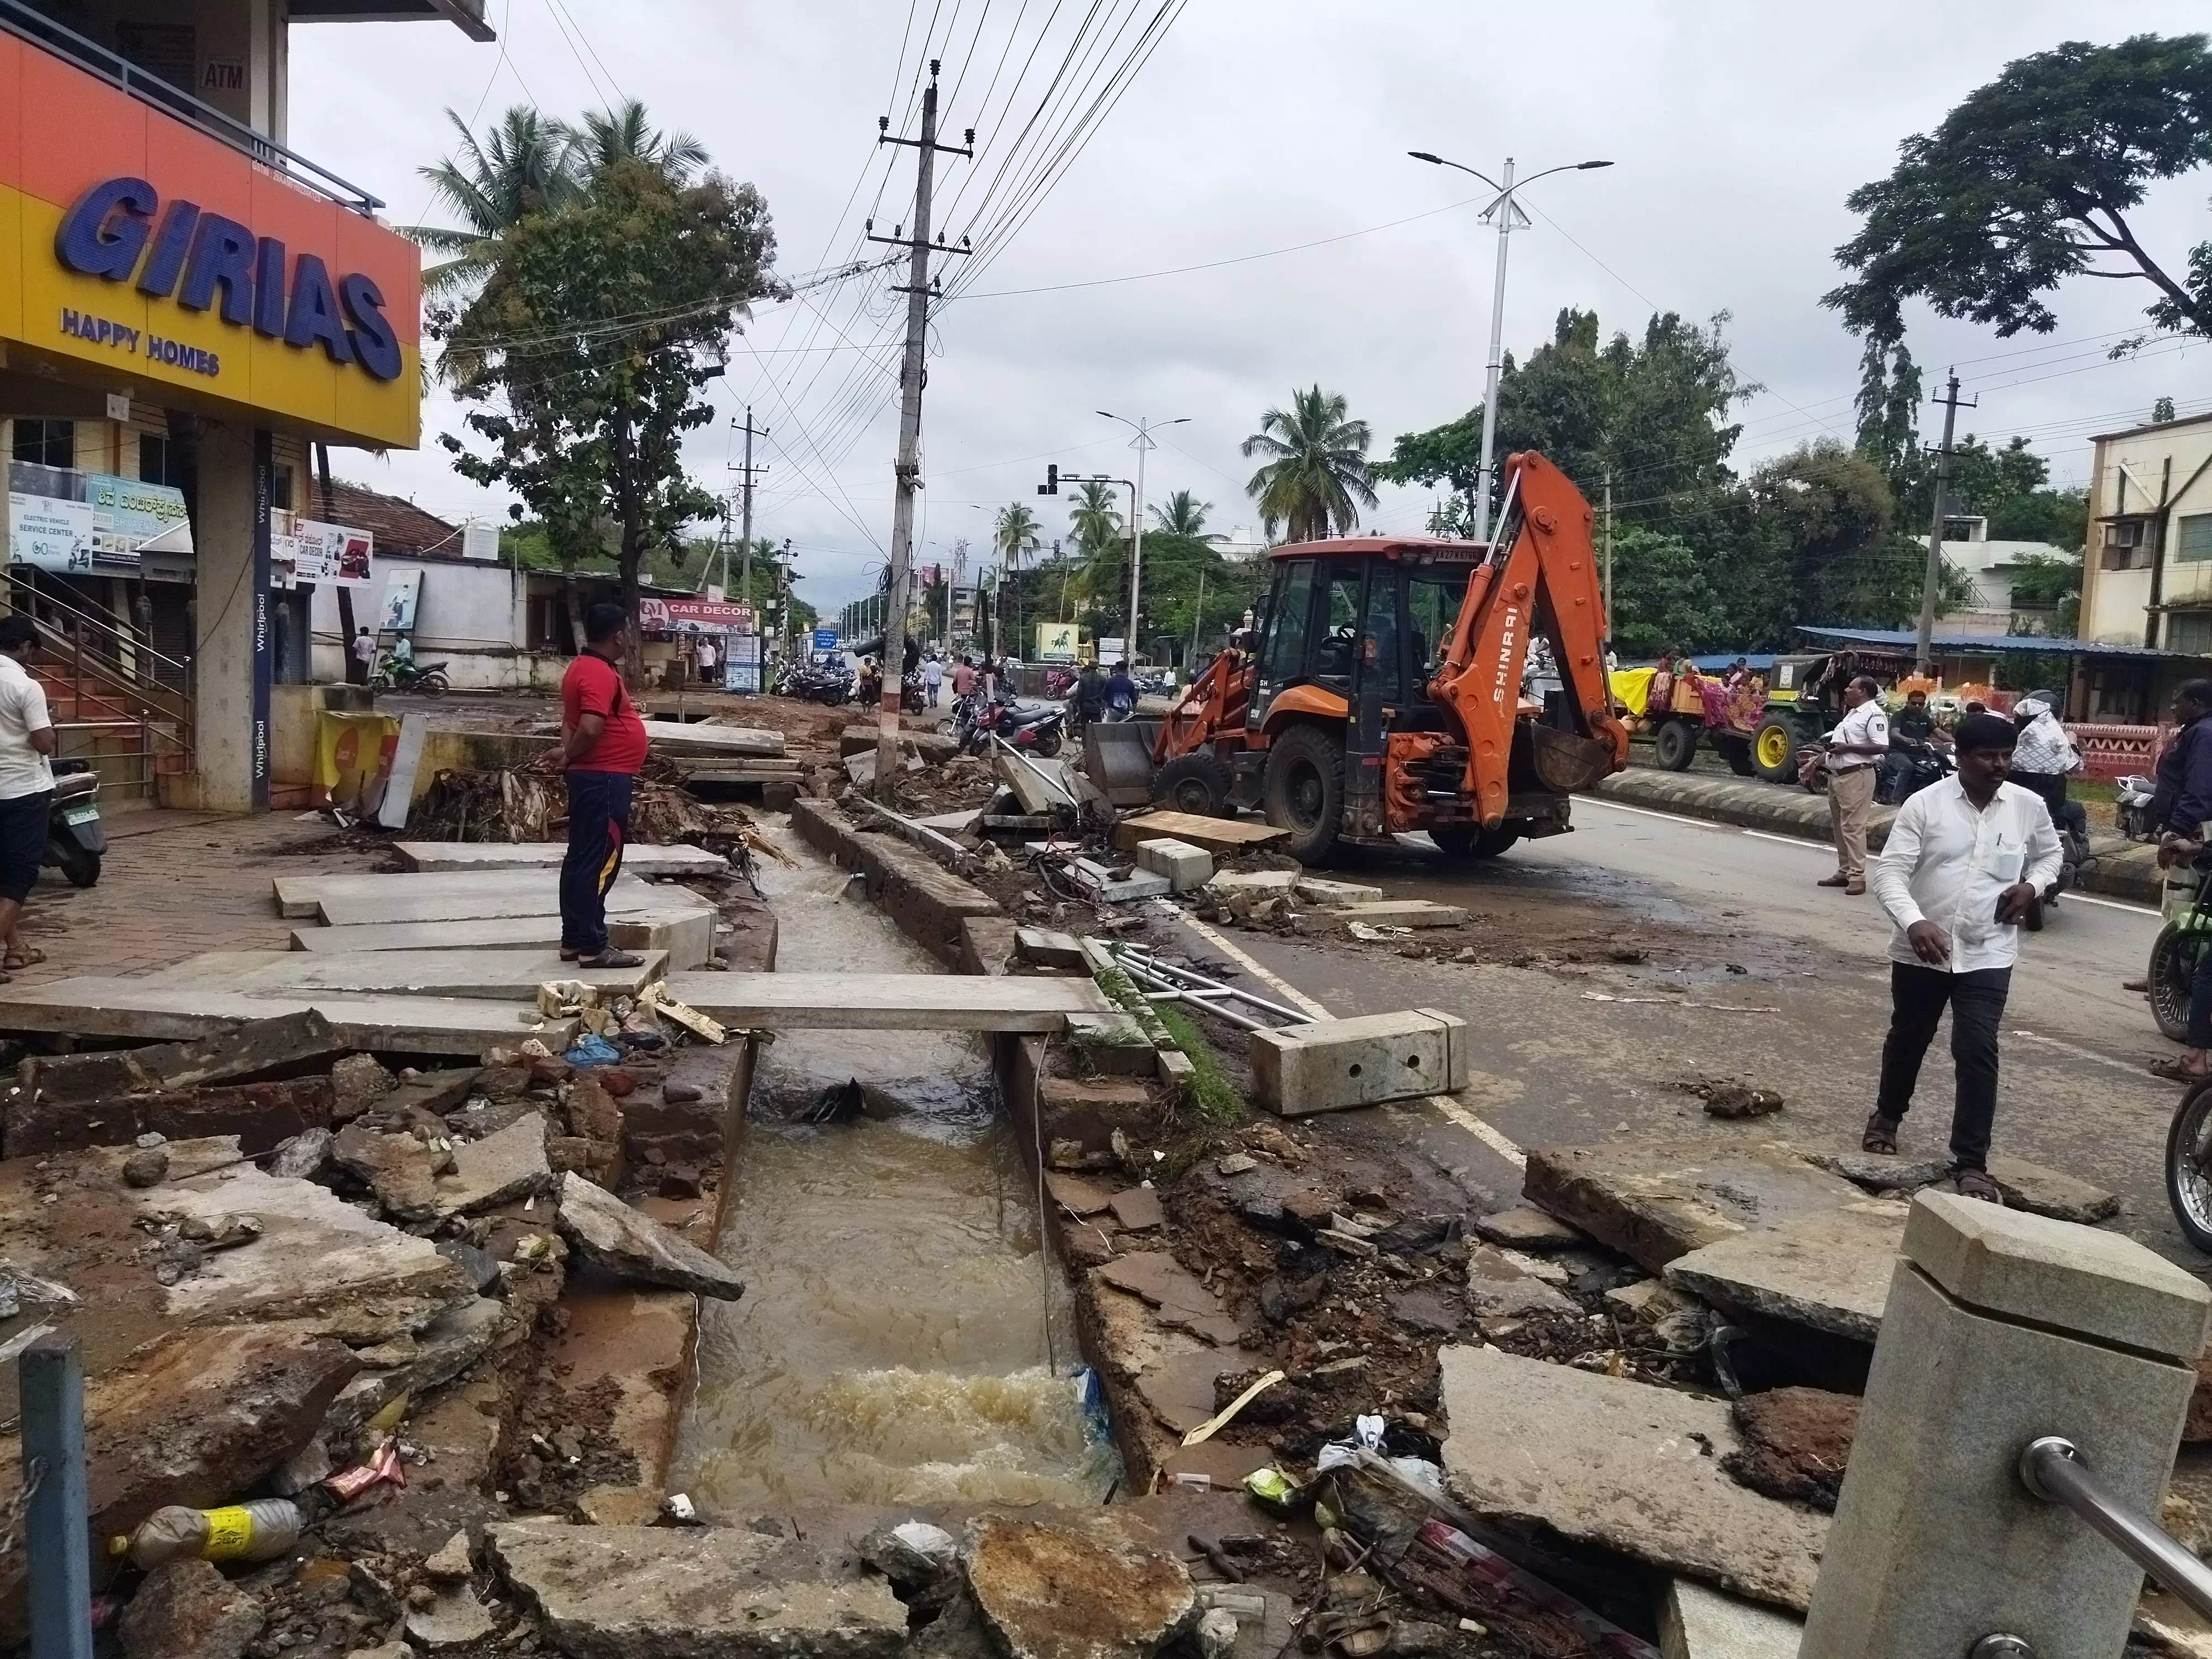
(2188, 1182)
(433, 684)
(81, 866)
(2173, 966)
(1047, 743)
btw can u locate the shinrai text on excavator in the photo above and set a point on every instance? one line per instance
(1380, 692)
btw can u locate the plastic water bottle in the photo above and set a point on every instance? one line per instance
(259, 1531)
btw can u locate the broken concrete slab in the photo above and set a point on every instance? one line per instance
(1184, 866)
(1260, 883)
(1040, 786)
(300, 896)
(93, 1006)
(261, 1115)
(455, 1620)
(287, 1044)
(435, 856)
(1656, 1200)
(632, 1246)
(1623, 1465)
(1332, 1065)
(401, 1168)
(1044, 947)
(1314, 890)
(1525, 1227)
(458, 896)
(1138, 1209)
(497, 975)
(2043, 1192)
(1074, 1194)
(708, 738)
(1828, 1271)
(889, 1002)
(1050, 1592)
(1181, 1301)
(684, 929)
(186, 1609)
(412, 1363)
(1695, 1622)
(503, 1166)
(1880, 1173)
(696, 1593)
(1222, 838)
(1396, 913)
(1496, 1289)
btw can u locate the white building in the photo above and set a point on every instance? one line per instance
(1989, 567)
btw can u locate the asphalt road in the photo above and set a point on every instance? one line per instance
(1759, 975)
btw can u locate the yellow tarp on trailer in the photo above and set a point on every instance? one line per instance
(1632, 688)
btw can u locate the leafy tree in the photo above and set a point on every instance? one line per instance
(2030, 181)
(588, 340)
(523, 165)
(1663, 598)
(606, 138)
(1317, 474)
(1184, 515)
(1817, 547)
(2161, 411)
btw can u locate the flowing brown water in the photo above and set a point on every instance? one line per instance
(892, 1345)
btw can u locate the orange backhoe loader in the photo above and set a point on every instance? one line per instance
(1380, 692)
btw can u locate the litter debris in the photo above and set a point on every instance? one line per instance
(1725, 1097)
(259, 1531)
(1221, 1419)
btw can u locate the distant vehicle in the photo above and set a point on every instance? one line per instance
(399, 674)
(1804, 701)
(1692, 706)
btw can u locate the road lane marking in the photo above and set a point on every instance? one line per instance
(1646, 813)
(1449, 1107)
(2110, 904)
(1791, 841)
(2131, 1068)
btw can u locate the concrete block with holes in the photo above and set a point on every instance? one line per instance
(1184, 865)
(1332, 1065)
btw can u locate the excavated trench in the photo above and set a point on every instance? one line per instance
(902, 1338)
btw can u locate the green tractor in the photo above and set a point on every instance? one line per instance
(1804, 701)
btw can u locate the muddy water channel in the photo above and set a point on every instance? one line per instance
(899, 1335)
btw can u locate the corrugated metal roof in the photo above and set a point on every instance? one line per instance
(1996, 644)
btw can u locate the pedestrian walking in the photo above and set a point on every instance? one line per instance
(933, 676)
(26, 787)
(1855, 749)
(1959, 874)
(360, 656)
(964, 679)
(602, 749)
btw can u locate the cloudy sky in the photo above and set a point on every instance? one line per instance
(1263, 141)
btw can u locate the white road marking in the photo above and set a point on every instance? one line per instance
(1449, 1108)
(2110, 904)
(1791, 841)
(1646, 813)
(2080, 1053)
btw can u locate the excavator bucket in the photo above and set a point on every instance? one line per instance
(1118, 755)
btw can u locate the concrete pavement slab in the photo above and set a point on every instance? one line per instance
(502, 975)
(93, 1007)
(889, 1002)
(1829, 1270)
(1699, 1623)
(430, 856)
(684, 926)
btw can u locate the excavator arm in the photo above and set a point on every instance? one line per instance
(1541, 573)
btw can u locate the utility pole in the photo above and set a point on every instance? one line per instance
(907, 471)
(1923, 656)
(746, 558)
(1142, 443)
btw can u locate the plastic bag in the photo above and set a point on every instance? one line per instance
(590, 1049)
(259, 1531)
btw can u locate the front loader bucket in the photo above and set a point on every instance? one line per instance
(1119, 758)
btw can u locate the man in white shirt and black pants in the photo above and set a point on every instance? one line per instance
(26, 786)
(1856, 748)
(1961, 871)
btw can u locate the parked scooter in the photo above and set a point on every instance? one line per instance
(2131, 808)
(1037, 728)
(75, 837)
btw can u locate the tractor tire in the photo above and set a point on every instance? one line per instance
(1304, 791)
(1197, 784)
(1736, 751)
(1774, 750)
(1465, 841)
(1674, 746)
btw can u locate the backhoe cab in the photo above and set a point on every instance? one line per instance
(1380, 692)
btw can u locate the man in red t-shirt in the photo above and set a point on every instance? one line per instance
(602, 747)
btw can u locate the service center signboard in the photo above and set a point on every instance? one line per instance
(134, 242)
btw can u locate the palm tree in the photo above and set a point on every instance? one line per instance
(1094, 523)
(523, 165)
(1014, 533)
(626, 134)
(1318, 468)
(1184, 516)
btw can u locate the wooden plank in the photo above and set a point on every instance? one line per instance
(888, 1002)
(1219, 836)
(430, 857)
(93, 1007)
(500, 975)
(679, 737)
(687, 936)
(480, 897)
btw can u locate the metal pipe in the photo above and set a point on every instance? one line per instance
(2052, 1469)
(1166, 990)
(1296, 1015)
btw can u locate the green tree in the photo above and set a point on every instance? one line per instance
(1317, 474)
(589, 341)
(606, 137)
(523, 165)
(1184, 515)
(1817, 547)
(2030, 181)
(1663, 598)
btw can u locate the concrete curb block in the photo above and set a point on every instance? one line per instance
(931, 905)
(2121, 870)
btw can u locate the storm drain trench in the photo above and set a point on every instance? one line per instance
(901, 1339)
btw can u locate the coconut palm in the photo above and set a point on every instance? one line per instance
(1014, 533)
(1185, 515)
(1094, 523)
(1318, 473)
(626, 133)
(522, 165)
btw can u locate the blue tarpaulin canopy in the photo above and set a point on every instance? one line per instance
(1982, 644)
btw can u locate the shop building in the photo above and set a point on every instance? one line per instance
(191, 316)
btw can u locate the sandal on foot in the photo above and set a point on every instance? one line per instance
(612, 958)
(1880, 1136)
(2177, 1071)
(1976, 1183)
(28, 956)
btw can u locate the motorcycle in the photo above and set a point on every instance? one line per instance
(1040, 729)
(1910, 768)
(399, 674)
(828, 684)
(2131, 808)
(75, 839)
(2173, 956)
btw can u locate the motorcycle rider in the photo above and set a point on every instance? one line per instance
(2182, 804)
(2044, 754)
(1089, 693)
(1910, 726)
(1121, 693)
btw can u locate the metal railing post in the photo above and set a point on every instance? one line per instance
(51, 1388)
(2053, 1470)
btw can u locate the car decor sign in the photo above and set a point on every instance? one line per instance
(143, 256)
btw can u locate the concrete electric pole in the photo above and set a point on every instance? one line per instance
(746, 555)
(1142, 443)
(1923, 654)
(907, 471)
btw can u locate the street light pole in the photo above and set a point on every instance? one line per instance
(1505, 210)
(1142, 442)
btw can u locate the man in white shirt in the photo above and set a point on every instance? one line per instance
(26, 784)
(1856, 749)
(362, 659)
(1960, 874)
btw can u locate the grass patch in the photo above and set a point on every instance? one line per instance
(1212, 1094)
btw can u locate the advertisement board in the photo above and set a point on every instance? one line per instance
(1058, 641)
(825, 639)
(403, 592)
(129, 513)
(332, 553)
(52, 535)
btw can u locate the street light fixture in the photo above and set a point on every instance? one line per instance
(1142, 442)
(1506, 210)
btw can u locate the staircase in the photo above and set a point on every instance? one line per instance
(115, 701)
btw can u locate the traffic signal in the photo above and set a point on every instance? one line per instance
(1051, 484)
